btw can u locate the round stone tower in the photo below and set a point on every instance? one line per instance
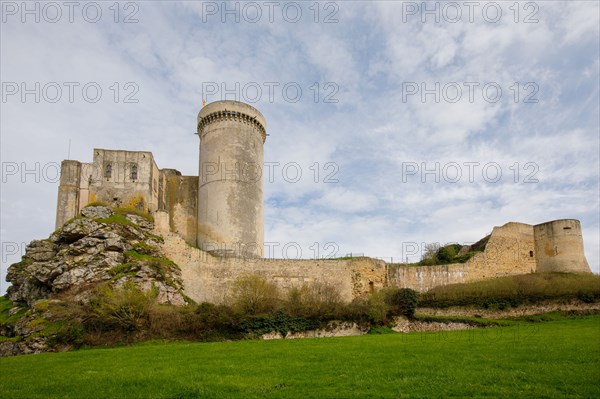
(230, 190)
(559, 247)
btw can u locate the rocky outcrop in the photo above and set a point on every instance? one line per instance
(98, 247)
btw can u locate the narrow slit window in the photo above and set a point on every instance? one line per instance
(108, 170)
(134, 171)
(531, 254)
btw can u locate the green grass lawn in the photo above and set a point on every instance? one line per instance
(550, 359)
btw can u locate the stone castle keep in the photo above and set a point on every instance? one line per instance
(219, 211)
(213, 223)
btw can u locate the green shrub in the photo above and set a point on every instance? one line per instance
(127, 308)
(447, 254)
(357, 310)
(116, 218)
(378, 308)
(134, 211)
(254, 295)
(216, 320)
(280, 322)
(317, 301)
(402, 301)
(512, 291)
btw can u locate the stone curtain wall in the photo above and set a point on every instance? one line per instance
(208, 278)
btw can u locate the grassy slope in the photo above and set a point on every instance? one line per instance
(552, 359)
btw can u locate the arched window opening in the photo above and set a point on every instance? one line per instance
(134, 171)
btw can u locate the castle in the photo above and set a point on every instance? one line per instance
(214, 223)
(220, 211)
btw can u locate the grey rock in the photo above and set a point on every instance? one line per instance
(96, 212)
(80, 255)
(116, 244)
(140, 221)
(41, 250)
(77, 229)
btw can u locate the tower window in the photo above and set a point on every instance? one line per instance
(531, 254)
(108, 170)
(134, 171)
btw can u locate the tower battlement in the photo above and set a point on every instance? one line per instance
(235, 111)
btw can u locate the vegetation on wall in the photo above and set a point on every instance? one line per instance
(445, 255)
(124, 211)
(435, 254)
(256, 306)
(511, 291)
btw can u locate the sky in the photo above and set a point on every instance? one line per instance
(391, 124)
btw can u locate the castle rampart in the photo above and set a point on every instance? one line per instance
(214, 221)
(209, 278)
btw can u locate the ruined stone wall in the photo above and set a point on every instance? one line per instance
(87, 173)
(208, 278)
(67, 205)
(509, 251)
(181, 205)
(423, 278)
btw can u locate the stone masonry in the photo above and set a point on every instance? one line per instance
(214, 227)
